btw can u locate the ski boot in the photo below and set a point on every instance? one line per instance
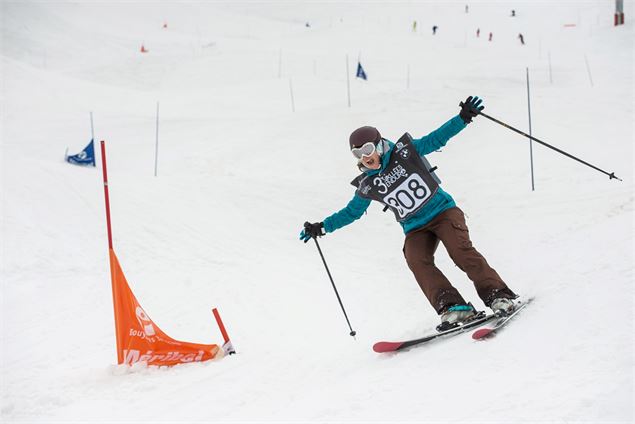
(502, 306)
(456, 315)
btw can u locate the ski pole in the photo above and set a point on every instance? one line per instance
(611, 175)
(352, 333)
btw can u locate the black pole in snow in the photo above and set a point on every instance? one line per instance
(352, 333)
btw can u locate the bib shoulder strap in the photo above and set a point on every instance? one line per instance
(357, 181)
(405, 139)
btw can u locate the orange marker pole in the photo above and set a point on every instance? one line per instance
(103, 167)
(227, 347)
(110, 251)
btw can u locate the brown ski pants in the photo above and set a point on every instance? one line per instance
(449, 227)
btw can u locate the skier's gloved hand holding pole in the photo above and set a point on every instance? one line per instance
(312, 231)
(470, 108)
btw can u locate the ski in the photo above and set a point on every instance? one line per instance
(481, 319)
(491, 329)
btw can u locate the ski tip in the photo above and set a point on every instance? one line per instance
(481, 333)
(382, 347)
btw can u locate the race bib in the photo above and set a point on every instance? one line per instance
(409, 196)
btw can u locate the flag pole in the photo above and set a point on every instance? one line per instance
(106, 197)
(227, 345)
(531, 149)
(111, 252)
(92, 128)
(588, 68)
(292, 99)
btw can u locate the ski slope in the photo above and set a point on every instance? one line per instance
(241, 168)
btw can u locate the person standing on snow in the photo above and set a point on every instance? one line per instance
(398, 176)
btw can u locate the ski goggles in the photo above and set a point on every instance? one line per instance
(366, 149)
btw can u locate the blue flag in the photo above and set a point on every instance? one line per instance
(360, 72)
(85, 157)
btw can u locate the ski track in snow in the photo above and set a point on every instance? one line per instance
(239, 173)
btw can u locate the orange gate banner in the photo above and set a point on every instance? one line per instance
(141, 340)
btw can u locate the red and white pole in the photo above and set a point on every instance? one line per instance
(111, 252)
(105, 173)
(227, 346)
(619, 13)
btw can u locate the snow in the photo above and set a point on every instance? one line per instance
(239, 172)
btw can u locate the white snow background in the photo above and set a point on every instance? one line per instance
(239, 172)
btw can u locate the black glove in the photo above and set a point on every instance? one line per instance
(312, 231)
(470, 108)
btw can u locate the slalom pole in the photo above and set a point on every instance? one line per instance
(291, 92)
(92, 128)
(531, 146)
(227, 346)
(610, 175)
(106, 197)
(111, 253)
(353, 332)
(588, 69)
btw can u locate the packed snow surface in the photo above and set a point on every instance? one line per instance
(254, 119)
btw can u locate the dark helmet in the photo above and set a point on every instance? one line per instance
(363, 135)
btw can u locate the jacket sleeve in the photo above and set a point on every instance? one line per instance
(439, 137)
(352, 212)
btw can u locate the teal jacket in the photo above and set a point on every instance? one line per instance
(439, 202)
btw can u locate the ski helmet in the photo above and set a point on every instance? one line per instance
(363, 135)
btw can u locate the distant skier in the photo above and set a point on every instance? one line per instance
(490, 36)
(522, 39)
(478, 32)
(398, 176)
(434, 29)
(513, 13)
(467, 8)
(414, 26)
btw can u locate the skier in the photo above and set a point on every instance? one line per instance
(521, 38)
(397, 176)
(434, 29)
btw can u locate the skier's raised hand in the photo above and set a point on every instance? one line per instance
(312, 231)
(470, 108)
